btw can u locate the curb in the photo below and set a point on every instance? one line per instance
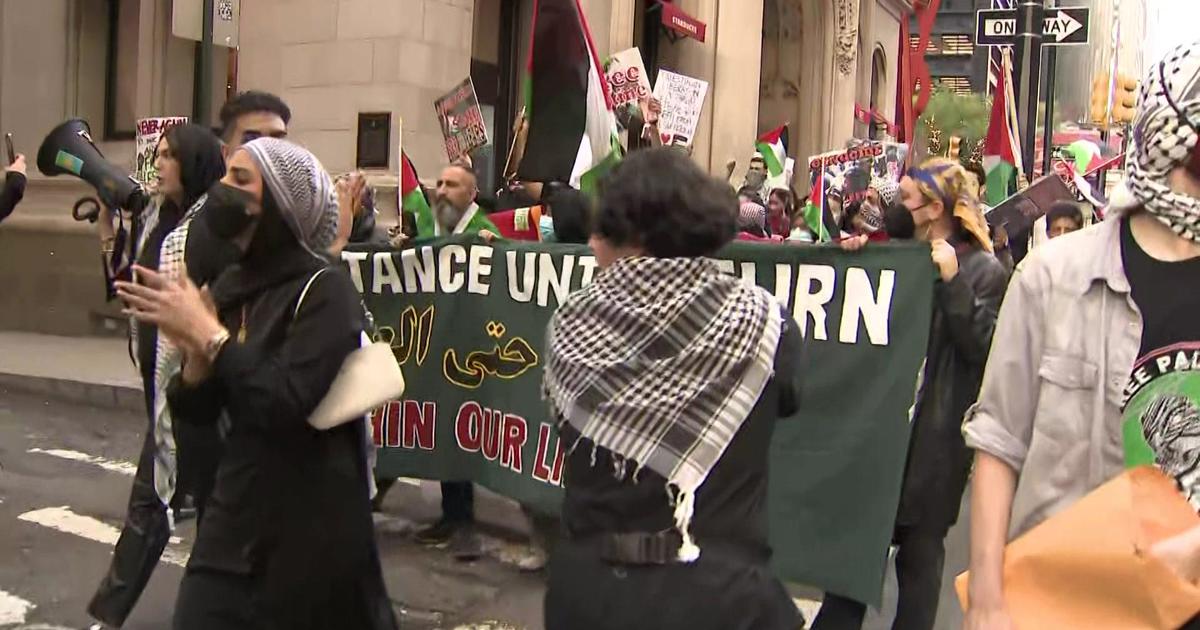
(118, 397)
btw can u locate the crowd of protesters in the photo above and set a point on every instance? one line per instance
(243, 318)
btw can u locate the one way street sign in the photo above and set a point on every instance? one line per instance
(1066, 26)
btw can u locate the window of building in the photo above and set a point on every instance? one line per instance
(959, 85)
(957, 45)
(120, 85)
(945, 45)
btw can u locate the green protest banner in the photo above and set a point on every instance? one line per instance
(467, 320)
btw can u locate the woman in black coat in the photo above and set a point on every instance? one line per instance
(287, 540)
(666, 377)
(175, 460)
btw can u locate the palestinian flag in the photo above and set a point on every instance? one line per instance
(412, 197)
(572, 130)
(1001, 151)
(773, 147)
(814, 213)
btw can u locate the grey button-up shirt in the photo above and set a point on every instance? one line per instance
(1065, 344)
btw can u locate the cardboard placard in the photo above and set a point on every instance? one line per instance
(682, 100)
(463, 127)
(627, 80)
(149, 132)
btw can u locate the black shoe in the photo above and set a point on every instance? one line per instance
(439, 533)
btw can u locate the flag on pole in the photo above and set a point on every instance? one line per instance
(1001, 151)
(572, 130)
(412, 197)
(814, 210)
(996, 53)
(772, 146)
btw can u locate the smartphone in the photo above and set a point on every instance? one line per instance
(12, 154)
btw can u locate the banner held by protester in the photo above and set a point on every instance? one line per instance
(467, 320)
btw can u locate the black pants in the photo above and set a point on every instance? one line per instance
(717, 592)
(458, 501)
(211, 600)
(920, 558)
(142, 541)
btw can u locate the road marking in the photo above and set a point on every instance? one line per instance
(119, 467)
(13, 609)
(64, 520)
(410, 481)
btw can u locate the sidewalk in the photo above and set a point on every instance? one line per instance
(86, 370)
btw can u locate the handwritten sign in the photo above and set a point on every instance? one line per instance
(149, 132)
(682, 99)
(627, 80)
(463, 128)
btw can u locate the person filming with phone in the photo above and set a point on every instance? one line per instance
(13, 188)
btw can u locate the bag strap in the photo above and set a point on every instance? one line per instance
(307, 286)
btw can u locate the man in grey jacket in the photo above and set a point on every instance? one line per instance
(1081, 337)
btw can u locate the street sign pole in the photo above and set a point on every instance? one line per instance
(203, 105)
(1048, 141)
(1027, 48)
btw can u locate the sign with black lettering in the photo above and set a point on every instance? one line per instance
(1066, 26)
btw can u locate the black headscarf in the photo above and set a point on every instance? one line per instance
(201, 163)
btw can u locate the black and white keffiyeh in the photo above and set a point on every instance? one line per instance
(1164, 140)
(661, 360)
(302, 189)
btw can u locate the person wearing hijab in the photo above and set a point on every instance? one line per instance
(666, 377)
(967, 296)
(287, 540)
(1099, 334)
(751, 221)
(189, 161)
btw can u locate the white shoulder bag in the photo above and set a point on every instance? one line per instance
(368, 378)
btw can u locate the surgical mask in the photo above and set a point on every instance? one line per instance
(226, 211)
(546, 227)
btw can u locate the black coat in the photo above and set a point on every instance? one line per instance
(964, 317)
(290, 508)
(12, 189)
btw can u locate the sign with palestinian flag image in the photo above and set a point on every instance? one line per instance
(573, 135)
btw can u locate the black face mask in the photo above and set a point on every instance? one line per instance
(225, 212)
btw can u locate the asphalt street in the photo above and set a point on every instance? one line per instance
(64, 482)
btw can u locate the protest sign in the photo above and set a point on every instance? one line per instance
(149, 132)
(845, 175)
(467, 320)
(682, 99)
(627, 80)
(463, 128)
(1019, 213)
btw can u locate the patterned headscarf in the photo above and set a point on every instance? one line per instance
(1165, 134)
(887, 189)
(945, 180)
(752, 216)
(301, 188)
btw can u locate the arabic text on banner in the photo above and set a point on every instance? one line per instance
(467, 320)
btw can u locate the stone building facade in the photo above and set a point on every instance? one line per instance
(339, 63)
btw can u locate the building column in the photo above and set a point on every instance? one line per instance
(734, 89)
(620, 33)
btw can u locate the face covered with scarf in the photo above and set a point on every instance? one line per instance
(274, 192)
(1163, 164)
